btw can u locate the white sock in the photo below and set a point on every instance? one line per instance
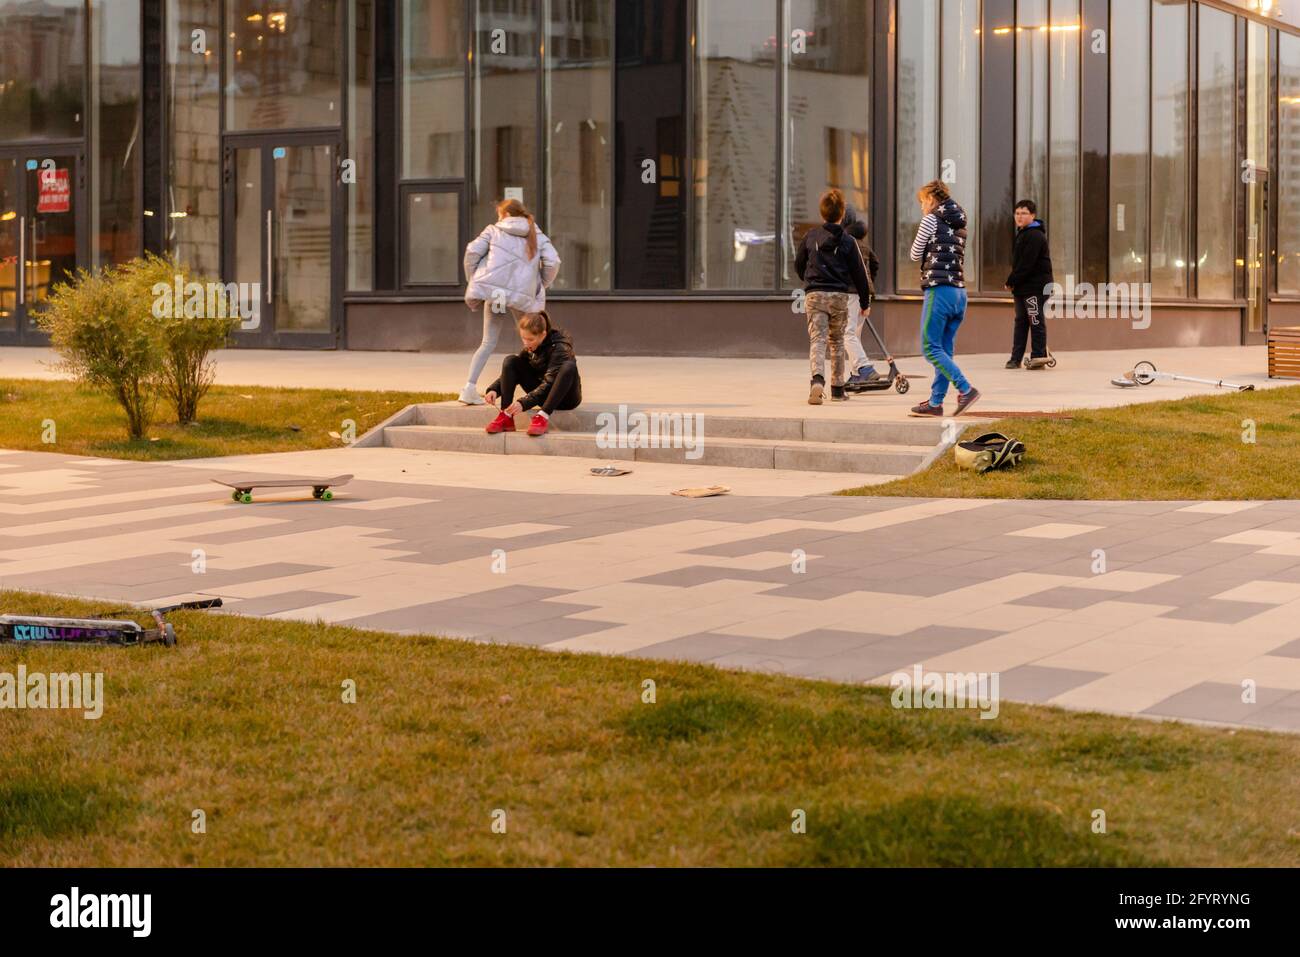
(471, 385)
(544, 415)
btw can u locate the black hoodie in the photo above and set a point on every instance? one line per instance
(1031, 262)
(556, 349)
(829, 261)
(857, 228)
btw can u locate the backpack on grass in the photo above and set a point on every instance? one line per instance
(989, 452)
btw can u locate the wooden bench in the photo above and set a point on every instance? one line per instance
(1284, 352)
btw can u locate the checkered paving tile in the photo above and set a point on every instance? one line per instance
(1162, 609)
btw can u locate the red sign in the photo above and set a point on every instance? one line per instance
(55, 194)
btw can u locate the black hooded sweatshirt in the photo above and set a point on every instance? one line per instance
(829, 261)
(556, 349)
(1031, 262)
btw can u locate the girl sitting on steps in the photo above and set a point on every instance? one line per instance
(546, 369)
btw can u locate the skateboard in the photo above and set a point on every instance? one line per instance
(320, 487)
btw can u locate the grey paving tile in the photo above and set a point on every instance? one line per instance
(286, 601)
(701, 647)
(824, 643)
(1034, 683)
(1290, 650)
(1219, 612)
(1214, 701)
(1283, 715)
(1066, 597)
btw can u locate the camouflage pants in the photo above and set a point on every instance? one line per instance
(828, 315)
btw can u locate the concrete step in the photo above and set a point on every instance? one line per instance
(592, 417)
(718, 451)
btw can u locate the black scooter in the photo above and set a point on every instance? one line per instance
(36, 630)
(895, 380)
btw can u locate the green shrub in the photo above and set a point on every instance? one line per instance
(192, 329)
(108, 339)
(131, 331)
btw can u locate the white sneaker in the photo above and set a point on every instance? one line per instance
(469, 396)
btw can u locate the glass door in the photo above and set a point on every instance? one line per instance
(40, 234)
(282, 241)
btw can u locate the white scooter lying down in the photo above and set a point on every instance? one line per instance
(1144, 373)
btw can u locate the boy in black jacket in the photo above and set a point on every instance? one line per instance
(831, 265)
(1031, 274)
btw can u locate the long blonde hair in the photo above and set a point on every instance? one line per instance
(512, 207)
(935, 191)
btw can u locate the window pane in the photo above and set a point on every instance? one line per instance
(42, 69)
(1031, 101)
(1169, 105)
(735, 141)
(998, 140)
(361, 147)
(432, 238)
(579, 140)
(650, 218)
(1063, 177)
(284, 63)
(505, 78)
(433, 89)
(960, 128)
(917, 133)
(193, 224)
(117, 209)
(828, 114)
(1288, 174)
(1130, 149)
(1216, 164)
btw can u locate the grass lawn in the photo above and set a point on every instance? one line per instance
(244, 720)
(233, 420)
(1162, 451)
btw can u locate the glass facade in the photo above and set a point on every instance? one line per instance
(669, 147)
(1288, 172)
(917, 127)
(735, 143)
(827, 105)
(1170, 109)
(1216, 160)
(1130, 139)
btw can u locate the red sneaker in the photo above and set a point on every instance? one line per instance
(502, 423)
(538, 425)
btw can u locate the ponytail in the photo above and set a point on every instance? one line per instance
(512, 207)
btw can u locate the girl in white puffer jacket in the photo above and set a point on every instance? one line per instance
(509, 266)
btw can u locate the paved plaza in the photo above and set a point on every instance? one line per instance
(1194, 599)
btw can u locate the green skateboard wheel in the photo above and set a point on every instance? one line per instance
(235, 495)
(246, 497)
(327, 496)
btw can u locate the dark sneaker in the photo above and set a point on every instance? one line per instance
(816, 393)
(926, 410)
(1012, 364)
(964, 402)
(861, 380)
(838, 393)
